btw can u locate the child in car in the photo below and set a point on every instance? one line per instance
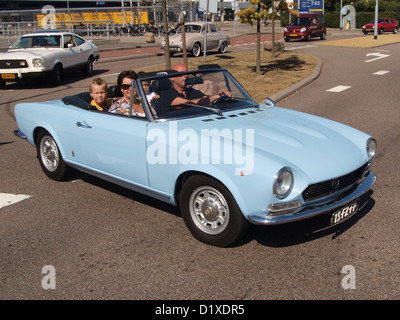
(98, 91)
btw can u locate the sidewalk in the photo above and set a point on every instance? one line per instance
(233, 29)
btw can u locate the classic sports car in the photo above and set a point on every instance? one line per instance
(195, 39)
(47, 53)
(226, 160)
(384, 24)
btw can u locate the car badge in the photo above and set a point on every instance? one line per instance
(335, 183)
(8, 64)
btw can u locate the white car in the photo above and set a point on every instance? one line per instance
(195, 39)
(47, 53)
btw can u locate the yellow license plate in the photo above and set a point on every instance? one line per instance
(293, 35)
(8, 76)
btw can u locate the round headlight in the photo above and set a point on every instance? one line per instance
(283, 183)
(371, 148)
(37, 62)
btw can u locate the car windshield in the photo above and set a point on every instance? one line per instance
(37, 41)
(300, 21)
(203, 92)
(379, 21)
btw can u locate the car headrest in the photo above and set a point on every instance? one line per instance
(114, 92)
(161, 85)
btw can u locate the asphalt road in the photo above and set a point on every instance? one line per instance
(105, 242)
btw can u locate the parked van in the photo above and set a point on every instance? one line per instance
(306, 26)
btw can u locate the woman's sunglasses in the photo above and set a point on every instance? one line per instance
(126, 86)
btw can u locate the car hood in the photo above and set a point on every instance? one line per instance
(318, 147)
(289, 27)
(30, 53)
(370, 25)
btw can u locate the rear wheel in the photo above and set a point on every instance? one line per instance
(88, 68)
(395, 30)
(50, 157)
(196, 49)
(210, 212)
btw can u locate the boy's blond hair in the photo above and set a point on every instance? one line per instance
(98, 82)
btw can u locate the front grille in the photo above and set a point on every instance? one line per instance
(328, 187)
(12, 64)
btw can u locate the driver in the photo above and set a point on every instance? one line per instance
(180, 93)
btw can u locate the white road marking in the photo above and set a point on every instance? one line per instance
(378, 55)
(7, 199)
(381, 73)
(338, 89)
(300, 47)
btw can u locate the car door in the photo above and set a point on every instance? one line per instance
(113, 146)
(73, 54)
(212, 37)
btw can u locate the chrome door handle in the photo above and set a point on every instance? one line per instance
(82, 125)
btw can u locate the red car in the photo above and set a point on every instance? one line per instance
(384, 24)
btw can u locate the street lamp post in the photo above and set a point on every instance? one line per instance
(376, 20)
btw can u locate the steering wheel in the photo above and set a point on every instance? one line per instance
(220, 99)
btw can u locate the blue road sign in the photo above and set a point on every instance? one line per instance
(311, 6)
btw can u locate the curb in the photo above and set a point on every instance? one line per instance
(301, 84)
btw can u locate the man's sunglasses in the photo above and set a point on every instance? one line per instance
(126, 86)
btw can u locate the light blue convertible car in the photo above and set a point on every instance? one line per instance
(224, 159)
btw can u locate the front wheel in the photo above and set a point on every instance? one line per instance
(50, 157)
(55, 76)
(210, 212)
(222, 47)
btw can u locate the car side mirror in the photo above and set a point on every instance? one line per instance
(270, 102)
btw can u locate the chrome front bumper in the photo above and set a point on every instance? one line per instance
(18, 133)
(308, 212)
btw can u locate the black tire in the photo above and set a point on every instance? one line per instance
(55, 76)
(222, 47)
(210, 212)
(309, 37)
(50, 157)
(88, 68)
(381, 30)
(395, 30)
(323, 36)
(196, 50)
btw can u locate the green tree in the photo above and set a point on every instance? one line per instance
(253, 16)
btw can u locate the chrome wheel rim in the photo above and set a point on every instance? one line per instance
(49, 153)
(209, 210)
